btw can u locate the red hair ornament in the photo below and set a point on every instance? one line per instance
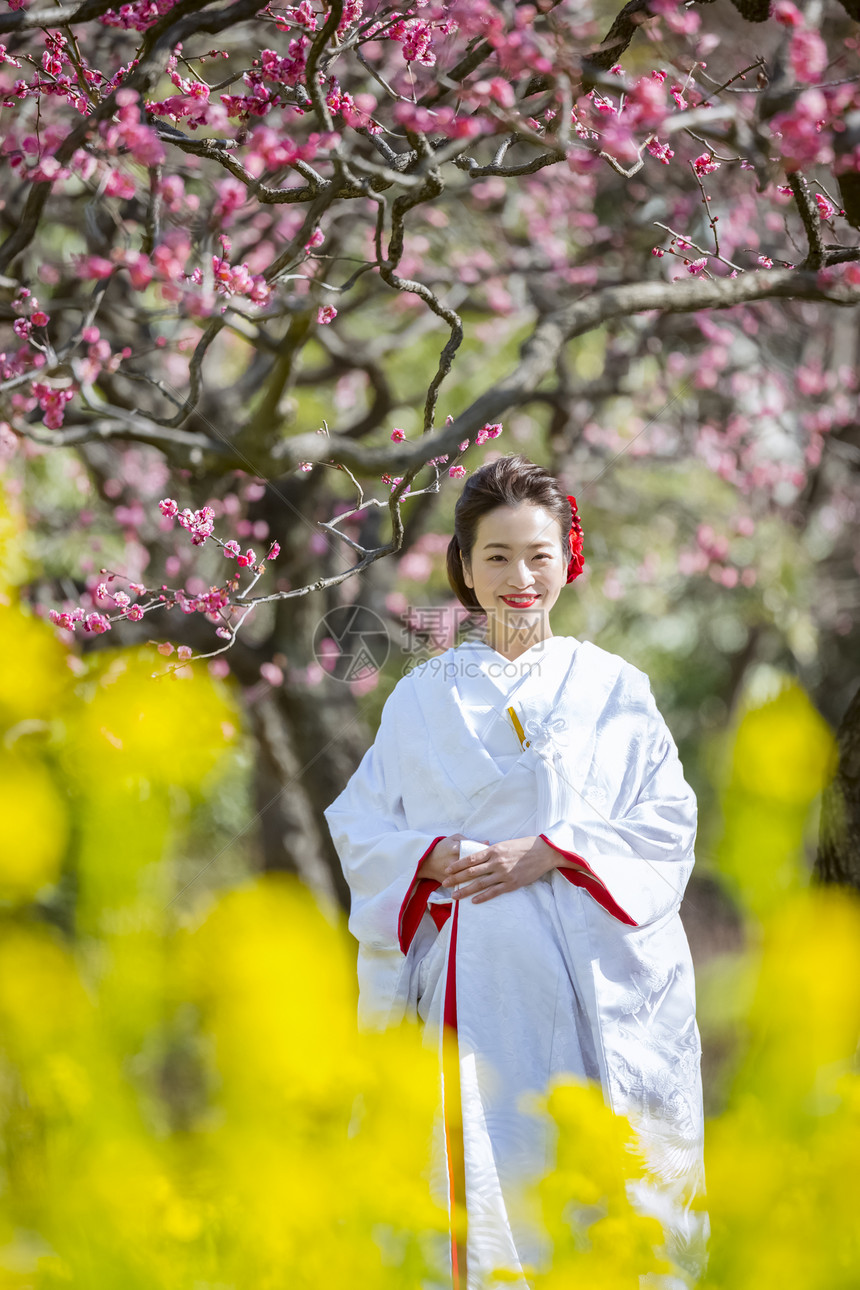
(576, 563)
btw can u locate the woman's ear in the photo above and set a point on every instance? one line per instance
(466, 575)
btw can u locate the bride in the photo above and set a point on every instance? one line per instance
(517, 842)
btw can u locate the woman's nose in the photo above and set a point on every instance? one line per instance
(521, 575)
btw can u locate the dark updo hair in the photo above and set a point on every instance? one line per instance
(507, 481)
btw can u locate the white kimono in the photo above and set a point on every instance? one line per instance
(588, 975)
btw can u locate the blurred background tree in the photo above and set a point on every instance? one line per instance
(256, 258)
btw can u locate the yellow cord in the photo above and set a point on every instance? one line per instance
(521, 734)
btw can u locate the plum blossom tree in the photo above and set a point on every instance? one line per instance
(241, 240)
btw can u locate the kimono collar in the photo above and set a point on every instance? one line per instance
(467, 765)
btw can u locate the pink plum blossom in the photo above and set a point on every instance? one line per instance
(808, 55)
(488, 431)
(271, 673)
(787, 14)
(198, 523)
(705, 164)
(96, 623)
(661, 151)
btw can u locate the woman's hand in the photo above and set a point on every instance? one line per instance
(435, 866)
(502, 867)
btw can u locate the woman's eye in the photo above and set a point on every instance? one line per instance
(544, 555)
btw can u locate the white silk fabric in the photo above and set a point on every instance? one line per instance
(548, 982)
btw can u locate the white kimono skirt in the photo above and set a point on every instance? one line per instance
(580, 974)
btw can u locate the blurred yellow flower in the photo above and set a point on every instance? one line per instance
(186, 1100)
(783, 755)
(34, 826)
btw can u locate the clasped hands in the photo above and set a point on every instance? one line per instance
(500, 867)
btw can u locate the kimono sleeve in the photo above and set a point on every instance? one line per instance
(378, 851)
(638, 842)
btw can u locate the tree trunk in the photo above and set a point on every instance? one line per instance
(838, 859)
(291, 790)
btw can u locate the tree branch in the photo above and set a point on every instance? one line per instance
(217, 150)
(540, 352)
(811, 222)
(470, 165)
(538, 357)
(431, 188)
(319, 42)
(135, 429)
(64, 14)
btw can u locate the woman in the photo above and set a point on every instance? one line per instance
(517, 842)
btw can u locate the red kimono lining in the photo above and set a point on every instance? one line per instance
(591, 883)
(415, 902)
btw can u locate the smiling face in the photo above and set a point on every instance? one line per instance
(516, 571)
